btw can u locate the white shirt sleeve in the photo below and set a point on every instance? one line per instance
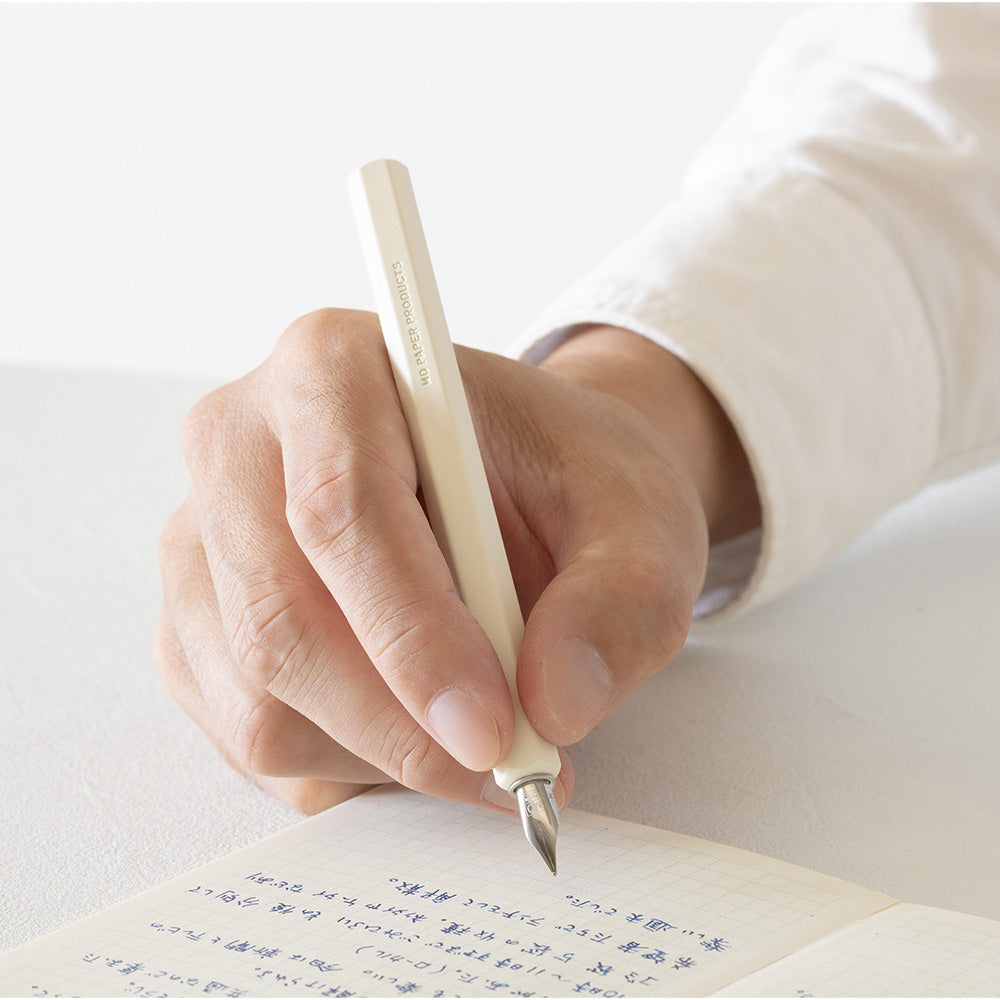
(831, 271)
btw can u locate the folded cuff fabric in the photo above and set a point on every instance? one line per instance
(832, 280)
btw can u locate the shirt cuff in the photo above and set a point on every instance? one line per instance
(794, 310)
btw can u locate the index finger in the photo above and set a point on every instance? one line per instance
(353, 508)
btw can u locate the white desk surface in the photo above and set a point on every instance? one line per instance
(850, 727)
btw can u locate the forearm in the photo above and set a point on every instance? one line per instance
(686, 417)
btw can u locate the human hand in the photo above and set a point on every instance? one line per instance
(310, 625)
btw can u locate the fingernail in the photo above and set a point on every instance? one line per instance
(577, 684)
(496, 796)
(465, 729)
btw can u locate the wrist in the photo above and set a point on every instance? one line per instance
(686, 419)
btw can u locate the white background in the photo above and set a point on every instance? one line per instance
(172, 177)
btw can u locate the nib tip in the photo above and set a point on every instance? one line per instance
(540, 818)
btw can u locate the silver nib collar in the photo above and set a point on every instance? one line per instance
(539, 816)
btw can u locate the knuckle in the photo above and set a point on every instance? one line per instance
(269, 634)
(397, 632)
(646, 570)
(170, 661)
(404, 751)
(318, 334)
(217, 424)
(335, 506)
(418, 767)
(198, 431)
(651, 581)
(257, 737)
(328, 501)
(174, 543)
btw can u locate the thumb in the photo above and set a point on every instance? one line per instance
(617, 613)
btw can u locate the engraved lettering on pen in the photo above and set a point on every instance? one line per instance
(410, 321)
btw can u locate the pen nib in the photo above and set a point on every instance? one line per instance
(540, 817)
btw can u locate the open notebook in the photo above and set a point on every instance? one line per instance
(394, 893)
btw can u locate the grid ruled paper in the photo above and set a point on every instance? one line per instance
(395, 893)
(904, 951)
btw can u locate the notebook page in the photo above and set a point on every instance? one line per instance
(396, 893)
(903, 951)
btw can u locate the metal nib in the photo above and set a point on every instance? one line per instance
(539, 816)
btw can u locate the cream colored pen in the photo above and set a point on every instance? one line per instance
(449, 463)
